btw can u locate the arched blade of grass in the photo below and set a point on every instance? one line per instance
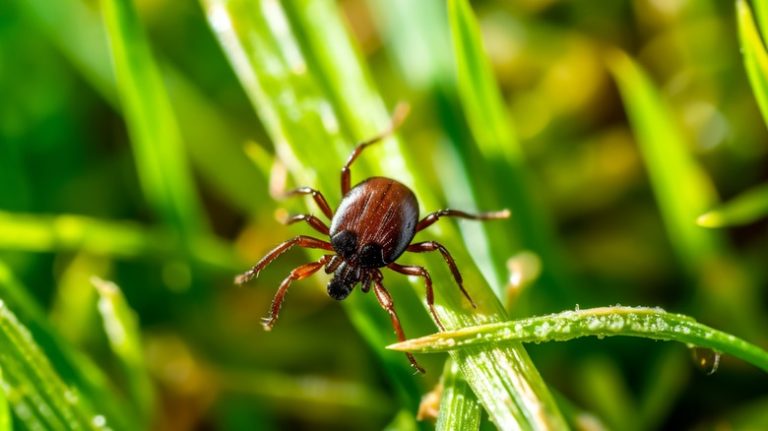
(459, 409)
(125, 239)
(279, 74)
(644, 322)
(157, 145)
(124, 334)
(753, 49)
(503, 157)
(83, 379)
(743, 209)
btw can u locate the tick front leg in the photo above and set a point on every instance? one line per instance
(316, 195)
(435, 216)
(386, 303)
(313, 221)
(401, 111)
(427, 246)
(301, 241)
(299, 273)
(421, 272)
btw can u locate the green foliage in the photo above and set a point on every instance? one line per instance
(129, 151)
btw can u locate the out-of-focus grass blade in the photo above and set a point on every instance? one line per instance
(490, 124)
(761, 13)
(212, 141)
(753, 49)
(652, 323)
(459, 409)
(682, 190)
(280, 77)
(36, 391)
(606, 394)
(120, 239)
(122, 328)
(743, 209)
(6, 423)
(84, 381)
(160, 157)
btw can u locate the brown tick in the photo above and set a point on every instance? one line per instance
(371, 228)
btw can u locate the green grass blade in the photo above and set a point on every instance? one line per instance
(83, 378)
(651, 323)
(280, 76)
(682, 189)
(160, 157)
(743, 209)
(6, 423)
(127, 239)
(753, 49)
(459, 409)
(122, 328)
(503, 159)
(36, 389)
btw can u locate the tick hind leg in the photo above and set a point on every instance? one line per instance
(301, 241)
(299, 273)
(435, 216)
(382, 295)
(421, 247)
(401, 111)
(421, 272)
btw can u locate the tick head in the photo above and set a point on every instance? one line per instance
(339, 288)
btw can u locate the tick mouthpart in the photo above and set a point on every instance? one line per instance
(339, 288)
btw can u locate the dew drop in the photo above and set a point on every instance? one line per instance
(707, 360)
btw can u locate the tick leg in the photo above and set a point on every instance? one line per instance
(299, 273)
(316, 195)
(313, 221)
(386, 303)
(421, 247)
(421, 272)
(435, 216)
(301, 241)
(401, 111)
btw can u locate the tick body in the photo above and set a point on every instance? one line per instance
(372, 227)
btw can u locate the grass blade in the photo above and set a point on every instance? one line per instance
(157, 144)
(682, 190)
(743, 209)
(754, 51)
(651, 323)
(84, 381)
(122, 328)
(459, 409)
(37, 390)
(6, 423)
(65, 232)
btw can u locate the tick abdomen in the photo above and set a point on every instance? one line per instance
(377, 220)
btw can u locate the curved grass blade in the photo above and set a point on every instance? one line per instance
(280, 76)
(746, 208)
(122, 328)
(644, 322)
(503, 157)
(459, 409)
(753, 49)
(157, 144)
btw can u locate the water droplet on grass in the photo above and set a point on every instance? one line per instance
(707, 360)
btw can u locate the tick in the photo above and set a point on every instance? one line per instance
(372, 227)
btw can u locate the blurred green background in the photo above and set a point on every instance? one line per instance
(77, 200)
